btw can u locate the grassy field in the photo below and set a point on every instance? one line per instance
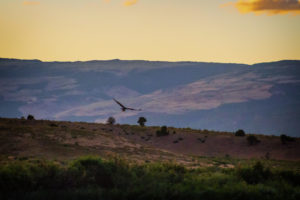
(43, 159)
(95, 178)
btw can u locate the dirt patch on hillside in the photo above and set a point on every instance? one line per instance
(66, 140)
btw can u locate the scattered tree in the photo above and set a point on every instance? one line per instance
(284, 139)
(252, 140)
(240, 132)
(162, 132)
(142, 121)
(30, 117)
(111, 121)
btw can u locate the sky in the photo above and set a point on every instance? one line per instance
(240, 31)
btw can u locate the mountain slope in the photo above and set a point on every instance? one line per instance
(260, 98)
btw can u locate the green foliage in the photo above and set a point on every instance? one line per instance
(256, 174)
(95, 178)
(29, 176)
(240, 133)
(142, 121)
(111, 120)
(30, 117)
(252, 140)
(162, 132)
(92, 171)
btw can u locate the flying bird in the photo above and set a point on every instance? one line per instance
(124, 108)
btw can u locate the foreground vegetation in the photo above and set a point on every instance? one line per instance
(95, 178)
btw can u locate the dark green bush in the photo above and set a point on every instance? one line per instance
(240, 132)
(28, 176)
(252, 140)
(30, 117)
(111, 121)
(94, 178)
(142, 121)
(162, 132)
(285, 139)
(289, 176)
(255, 174)
(92, 171)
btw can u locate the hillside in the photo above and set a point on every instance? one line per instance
(43, 159)
(59, 140)
(261, 98)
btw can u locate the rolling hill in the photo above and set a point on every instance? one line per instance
(42, 159)
(260, 98)
(61, 141)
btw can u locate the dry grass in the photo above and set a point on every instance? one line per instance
(194, 148)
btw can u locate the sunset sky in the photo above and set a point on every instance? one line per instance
(243, 31)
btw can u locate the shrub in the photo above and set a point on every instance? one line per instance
(255, 174)
(162, 132)
(201, 140)
(93, 178)
(92, 171)
(53, 125)
(30, 117)
(240, 132)
(111, 121)
(290, 176)
(142, 121)
(284, 139)
(252, 140)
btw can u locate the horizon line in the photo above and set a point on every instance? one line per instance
(143, 60)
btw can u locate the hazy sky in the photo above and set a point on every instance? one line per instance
(245, 31)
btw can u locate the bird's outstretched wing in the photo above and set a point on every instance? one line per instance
(134, 109)
(124, 107)
(119, 103)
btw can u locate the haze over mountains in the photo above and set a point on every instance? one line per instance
(261, 98)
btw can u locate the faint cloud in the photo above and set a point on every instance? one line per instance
(31, 3)
(25, 95)
(73, 93)
(269, 7)
(130, 2)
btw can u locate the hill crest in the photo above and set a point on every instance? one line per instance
(60, 140)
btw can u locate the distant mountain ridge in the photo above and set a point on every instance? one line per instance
(259, 98)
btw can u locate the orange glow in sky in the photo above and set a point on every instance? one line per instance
(169, 30)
